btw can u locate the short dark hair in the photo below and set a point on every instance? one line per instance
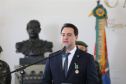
(34, 22)
(72, 26)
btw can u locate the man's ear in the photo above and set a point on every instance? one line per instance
(86, 50)
(76, 37)
(39, 30)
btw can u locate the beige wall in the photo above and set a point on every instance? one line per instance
(52, 14)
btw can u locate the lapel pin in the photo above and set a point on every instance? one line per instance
(78, 56)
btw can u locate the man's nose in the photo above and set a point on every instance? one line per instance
(65, 37)
(33, 29)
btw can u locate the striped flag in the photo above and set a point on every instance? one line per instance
(100, 52)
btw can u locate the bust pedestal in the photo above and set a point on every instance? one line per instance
(30, 60)
(33, 74)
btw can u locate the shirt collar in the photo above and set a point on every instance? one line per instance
(73, 50)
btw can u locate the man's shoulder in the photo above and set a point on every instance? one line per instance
(22, 42)
(56, 52)
(84, 53)
(96, 62)
(46, 43)
(3, 63)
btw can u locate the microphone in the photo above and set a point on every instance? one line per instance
(64, 51)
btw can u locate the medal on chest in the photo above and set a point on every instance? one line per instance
(76, 69)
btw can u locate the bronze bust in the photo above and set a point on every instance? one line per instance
(33, 46)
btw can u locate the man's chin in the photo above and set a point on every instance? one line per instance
(65, 44)
(33, 37)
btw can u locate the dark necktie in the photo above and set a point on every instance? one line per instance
(66, 64)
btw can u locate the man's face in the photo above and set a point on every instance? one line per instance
(82, 48)
(33, 30)
(68, 37)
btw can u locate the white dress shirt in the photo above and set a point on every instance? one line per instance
(70, 57)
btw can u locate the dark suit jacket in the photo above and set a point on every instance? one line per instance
(86, 66)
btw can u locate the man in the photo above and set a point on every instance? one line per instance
(83, 46)
(34, 46)
(4, 69)
(81, 65)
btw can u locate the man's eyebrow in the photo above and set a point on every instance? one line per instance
(69, 33)
(62, 33)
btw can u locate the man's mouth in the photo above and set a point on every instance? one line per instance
(65, 42)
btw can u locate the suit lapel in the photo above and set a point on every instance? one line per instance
(74, 60)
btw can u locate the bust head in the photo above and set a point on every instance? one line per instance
(33, 29)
